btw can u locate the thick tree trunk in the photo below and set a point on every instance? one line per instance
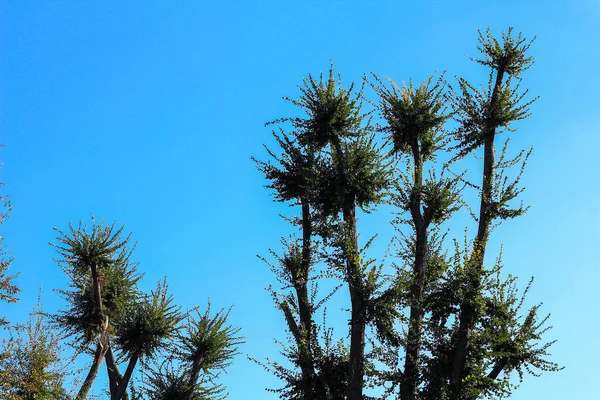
(196, 367)
(358, 319)
(467, 310)
(121, 392)
(114, 377)
(357, 349)
(102, 346)
(304, 307)
(91, 376)
(410, 381)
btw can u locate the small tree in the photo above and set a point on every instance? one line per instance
(33, 367)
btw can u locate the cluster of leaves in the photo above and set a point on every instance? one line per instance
(103, 247)
(204, 346)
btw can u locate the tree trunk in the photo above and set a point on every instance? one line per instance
(410, 381)
(91, 376)
(114, 376)
(196, 367)
(357, 349)
(304, 306)
(359, 304)
(475, 265)
(121, 392)
(96, 287)
(102, 346)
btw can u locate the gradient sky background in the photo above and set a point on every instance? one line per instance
(147, 113)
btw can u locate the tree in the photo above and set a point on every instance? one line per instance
(414, 118)
(333, 165)
(483, 115)
(33, 366)
(103, 285)
(108, 317)
(464, 330)
(293, 181)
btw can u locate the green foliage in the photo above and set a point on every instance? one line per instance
(209, 339)
(106, 249)
(414, 116)
(32, 366)
(437, 197)
(204, 345)
(103, 247)
(145, 327)
(506, 338)
(149, 324)
(482, 112)
(8, 290)
(332, 162)
(294, 177)
(168, 383)
(332, 112)
(332, 153)
(507, 55)
(366, 176)
(330, 359)
(80, 322)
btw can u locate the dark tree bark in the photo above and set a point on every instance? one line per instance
(114, 377)
(354, 278)
(91, 376)
(102, 346)
(305, 341)
(195, 374)
(410, 381)
(358, 301)
(498, 367)
(118, 390)
(475, 267)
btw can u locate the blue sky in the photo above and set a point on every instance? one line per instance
(147, 113)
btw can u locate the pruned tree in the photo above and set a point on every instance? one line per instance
(103, 285)
(142, 331)
(414, 123)
(347, 171)
(108, 317)
(293, 180)
(482, 115)
(466, 329)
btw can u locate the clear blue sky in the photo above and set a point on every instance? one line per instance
(147, 113)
